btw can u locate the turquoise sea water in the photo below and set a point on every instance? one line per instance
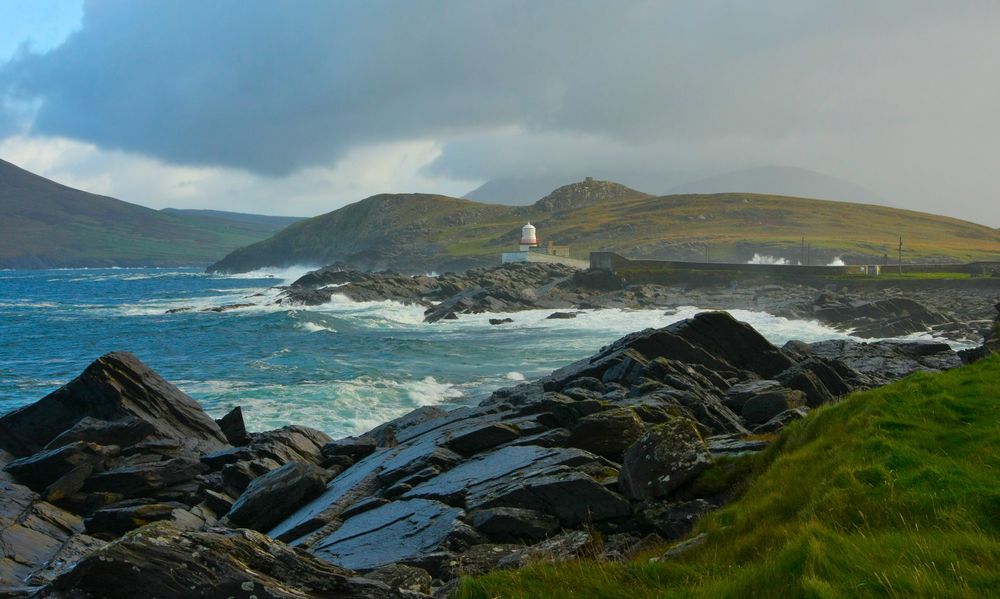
(344, 367)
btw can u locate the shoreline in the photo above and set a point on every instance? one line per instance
(535, 469)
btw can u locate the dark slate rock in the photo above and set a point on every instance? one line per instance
(476, 476)
(275, 495)
(663, 459)
(39, 540)
(123, 432)
(563, 547)
(672, 520)
(354, 447)
(607, 434)
(570, 495)
(886, 361)
(496, 321)
(561, 316)
(513, 524)
(142, 479)
(115, 386)
(804, 380)
(719, 445)
(58, 473)
(114, 521)
(400, 576)
(398, 532)
(217, 562)
(762, 407)
(738, 394)
(482, 436)
(233, 427)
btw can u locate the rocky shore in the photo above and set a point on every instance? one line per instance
(957, 311)
(119, 481)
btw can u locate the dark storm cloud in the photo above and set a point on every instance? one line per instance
(508, 86)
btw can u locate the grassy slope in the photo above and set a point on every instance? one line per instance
(892, 493)
(632, 223)
(49, 224)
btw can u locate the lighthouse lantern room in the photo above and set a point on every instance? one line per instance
(528, 237)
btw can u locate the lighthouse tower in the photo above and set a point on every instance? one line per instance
(528, 238)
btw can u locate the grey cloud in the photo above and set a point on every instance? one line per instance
(656, 91)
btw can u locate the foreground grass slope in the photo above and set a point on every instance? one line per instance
(894, 492)
(425, 232)
(45, 224)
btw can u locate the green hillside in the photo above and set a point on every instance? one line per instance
(892, 493)
(44, 224)
(419, 232)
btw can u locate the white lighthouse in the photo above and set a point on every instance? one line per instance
(528, 238)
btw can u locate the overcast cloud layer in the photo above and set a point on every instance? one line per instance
(298, 107)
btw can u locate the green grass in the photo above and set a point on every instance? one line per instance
(422, 230)
(894, 492)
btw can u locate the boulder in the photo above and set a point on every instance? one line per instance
(482, 436)
(607, 434)
(233, 427)
(352, 447)
(664, 458)
(58, 473)
(116, 386)
(142, 479)
(271, 497)
(496, 321)
(176, 564)
(764, 406)
(561, 316)
(508, 524)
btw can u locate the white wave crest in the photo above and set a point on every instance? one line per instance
(766, 259)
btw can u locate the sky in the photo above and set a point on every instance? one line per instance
(299, 107)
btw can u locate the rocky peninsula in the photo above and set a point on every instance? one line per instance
(958, 310)
(119, 481)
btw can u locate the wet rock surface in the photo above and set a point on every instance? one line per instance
(612, 445)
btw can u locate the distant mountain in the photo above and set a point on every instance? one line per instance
(782, 180)
(275, 222)
(421, 233)
(515, 191)
(44, 224)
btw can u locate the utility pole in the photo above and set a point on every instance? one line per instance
(900, 254)
(802, 251)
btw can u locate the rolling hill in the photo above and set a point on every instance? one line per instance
(44, 224)
(421, 232)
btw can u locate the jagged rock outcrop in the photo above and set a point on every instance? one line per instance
(612, 445)
(169, 563)
(117, 389)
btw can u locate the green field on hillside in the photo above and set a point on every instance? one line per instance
(420, 232)
(894, 492)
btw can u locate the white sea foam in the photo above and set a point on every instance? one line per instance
(312, 327)
(837, 261)
(766, 259)
(339, 407)
(281, 276)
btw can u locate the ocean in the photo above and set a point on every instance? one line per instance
(343, 367)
